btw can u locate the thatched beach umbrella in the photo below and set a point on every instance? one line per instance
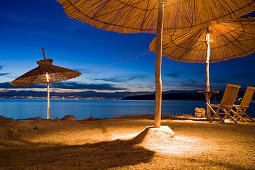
(45, 73)
(202, 44)
(135, 16)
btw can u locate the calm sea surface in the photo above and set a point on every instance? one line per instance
(26, 108)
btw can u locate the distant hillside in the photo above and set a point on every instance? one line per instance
(116, 95)
(168, 96)
(181, 96)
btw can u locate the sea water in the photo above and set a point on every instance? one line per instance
(27, 108)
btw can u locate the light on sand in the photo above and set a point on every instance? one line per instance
(160, 141)
(163, 140)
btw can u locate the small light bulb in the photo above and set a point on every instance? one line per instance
(47, 78)
(207, 37)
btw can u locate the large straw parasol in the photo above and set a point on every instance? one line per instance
(135, 16)
(45, 73)
(201, 44)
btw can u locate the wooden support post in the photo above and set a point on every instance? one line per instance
(208, 101)
(208, 96)
(158, 82)
(207, 62)
(43, 53)
(48, 98)
(48, 94)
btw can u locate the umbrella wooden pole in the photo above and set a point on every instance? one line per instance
(207, 62)
(43, 53)
(48, 94)
(48, 98)
(158, 82)
(208, 95)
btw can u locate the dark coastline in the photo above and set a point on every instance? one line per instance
(182, 96)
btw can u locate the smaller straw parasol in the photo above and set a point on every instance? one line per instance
(200, 44)
(217, 42)
(45, 73)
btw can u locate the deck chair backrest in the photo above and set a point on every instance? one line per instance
(247, 96)
(230, 94)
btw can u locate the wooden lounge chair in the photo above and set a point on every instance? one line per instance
(226, 104)
(239, 111)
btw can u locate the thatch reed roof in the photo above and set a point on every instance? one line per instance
(133, 16)
(38, 75)
(229, 40)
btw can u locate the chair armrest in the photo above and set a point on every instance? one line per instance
(214, 105)
(227, 106)
(236, 106)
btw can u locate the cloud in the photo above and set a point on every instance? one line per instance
(243, 75)
(74, 85)
(2, 74)
(192, 84)
(239, 77)
(174, 74)
(178, 74)
(186, 80)
(9, 86)
(121, 78)
(67, 85)
(184, 84)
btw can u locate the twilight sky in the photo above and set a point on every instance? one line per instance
(28, 25)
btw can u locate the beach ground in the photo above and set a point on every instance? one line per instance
(111, 143)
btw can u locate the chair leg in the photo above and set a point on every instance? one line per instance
(214, 113)
(227, 112)
(220, 118)
(241, 118)
(233, 119)
(244, 113)
(240, 113)
(236, 116)
(234, 113)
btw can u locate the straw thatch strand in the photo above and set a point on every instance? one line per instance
(228, 40)
(38, 75)
(133, 16)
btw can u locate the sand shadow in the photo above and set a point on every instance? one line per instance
(18, 153)
(100, 155)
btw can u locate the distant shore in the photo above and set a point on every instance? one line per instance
(171, 95)
(132, 116)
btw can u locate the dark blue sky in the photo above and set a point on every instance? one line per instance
(28, 25)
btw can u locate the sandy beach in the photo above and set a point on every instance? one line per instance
(113, 144)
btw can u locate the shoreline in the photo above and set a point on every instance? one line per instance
(170, 116)
(177, 116)
(132, 116)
